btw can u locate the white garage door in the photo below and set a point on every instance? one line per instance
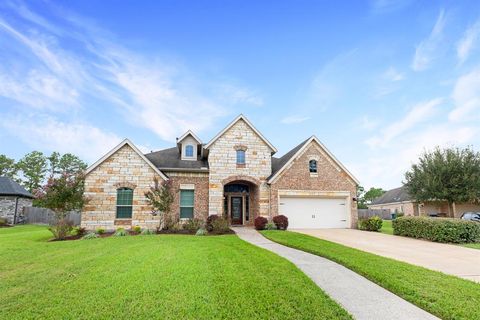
(314, 213)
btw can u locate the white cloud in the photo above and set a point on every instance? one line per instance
(466, 97)
(391, 74)
(468, 41)
(367, 123)
(294, 119)
(162, 96)
(417, 114)
(426, 50)
(82, 139)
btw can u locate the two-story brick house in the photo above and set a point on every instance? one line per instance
(234, 175)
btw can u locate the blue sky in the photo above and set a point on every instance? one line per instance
(377, 81)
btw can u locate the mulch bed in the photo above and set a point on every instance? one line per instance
(131, 233)
(5, 226)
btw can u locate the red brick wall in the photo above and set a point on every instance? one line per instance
(200, 201)
(330, 177)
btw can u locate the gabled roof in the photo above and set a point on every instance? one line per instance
(391, 196)
(169, 159)
(290, 156)
(241, 117)
(8, 187)
(118, 147)
(186, 134)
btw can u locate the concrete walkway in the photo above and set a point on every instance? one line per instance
(447, 258)
(360, 297)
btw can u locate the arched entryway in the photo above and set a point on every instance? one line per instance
(240, 201)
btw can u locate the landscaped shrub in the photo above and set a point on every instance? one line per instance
(400, 214)
(176, 227)
(61, 229)
(3, 221)
(90, 235)
(209, 222)
(100, 231)
(271, 226)
(193, 225)
(220, 225)
(373, 223)
(78, 231)
(437, 229)
(137, 229)
(281, 222)
(201, 232)
(260, 223)
(120, 233)
(147, 232)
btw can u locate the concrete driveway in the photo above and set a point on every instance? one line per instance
(451, 259)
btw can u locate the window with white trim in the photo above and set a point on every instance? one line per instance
(189, 151)
(124, 203)
(312, 166)
(186, 204)
(240, 156)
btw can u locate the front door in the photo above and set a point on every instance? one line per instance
(237, 210)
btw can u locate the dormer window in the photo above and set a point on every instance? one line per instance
(240, 156)
(312, 165)
(189, 151)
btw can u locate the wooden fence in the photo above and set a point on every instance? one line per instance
(34, 215)
(385, 214)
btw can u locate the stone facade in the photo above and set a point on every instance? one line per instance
(7, 207)
(223, 165)
(125, 168)
(330, 178)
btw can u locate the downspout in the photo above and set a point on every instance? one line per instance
(15, 212)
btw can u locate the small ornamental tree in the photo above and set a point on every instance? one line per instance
(451, 175)
(160, 197)
(62, 195)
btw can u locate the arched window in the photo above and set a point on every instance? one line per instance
(240, 157)
(124, 203)
(312, 165)
(189, 151)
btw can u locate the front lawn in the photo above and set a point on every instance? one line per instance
(151, 277)
(472, 245)
(445, 296)
(387, 227)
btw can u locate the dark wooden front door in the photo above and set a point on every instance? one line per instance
(237, 210)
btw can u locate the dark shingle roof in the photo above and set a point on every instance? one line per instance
(170, 158)
(8, 187)
(278, 163)
(392, 196)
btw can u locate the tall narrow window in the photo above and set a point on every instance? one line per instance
(186, 204)
(240, 157)
(124, 203)
(189, 151)
(313, 166)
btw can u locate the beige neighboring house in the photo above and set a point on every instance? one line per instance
(398, 200)
(234, 175)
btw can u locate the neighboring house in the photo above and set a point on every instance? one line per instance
(234, 175)
(13, 198)
(398, 200)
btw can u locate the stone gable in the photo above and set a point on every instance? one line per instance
(223, 163)
(125, 168)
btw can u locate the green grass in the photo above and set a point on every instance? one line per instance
(151, 277)
(445, 296)
(387, 227)
(472, 245)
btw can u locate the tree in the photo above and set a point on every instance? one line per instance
(8, 168)
(365, 198)
(449, 174)
(64, 164)
(34, 168)
(62, 195)
(160, 197)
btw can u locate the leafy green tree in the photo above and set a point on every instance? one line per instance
(64, 164)
(62, 195)
(366, 197)
(33, 167)
(450, 174)
(160, 197)
(8, 168)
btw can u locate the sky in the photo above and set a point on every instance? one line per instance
(378, 82)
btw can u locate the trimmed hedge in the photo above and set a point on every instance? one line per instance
(281, 222)
(373, 223)
(437, 229)
(260, 223)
